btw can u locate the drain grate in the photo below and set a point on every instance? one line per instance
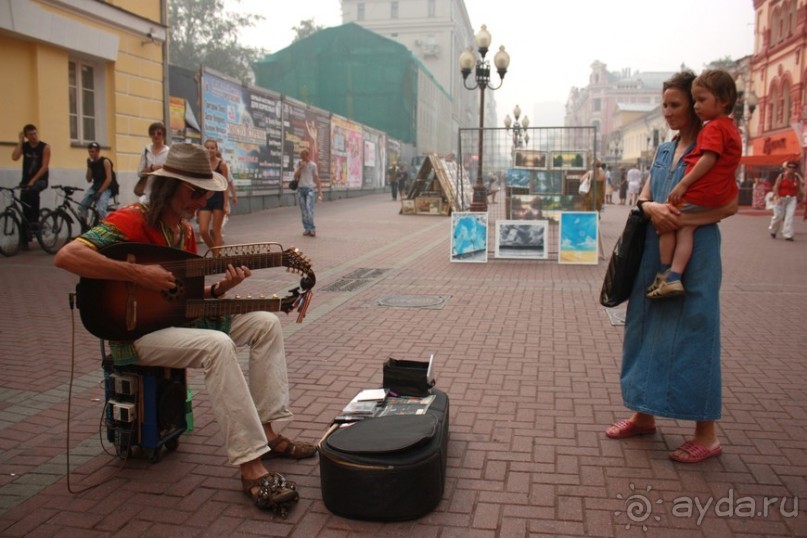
(432, 302)
(356, 280)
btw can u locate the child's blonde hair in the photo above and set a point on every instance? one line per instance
(720, 84)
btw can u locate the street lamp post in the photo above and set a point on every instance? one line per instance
(741, 118)
(469, 61)
(520, 135)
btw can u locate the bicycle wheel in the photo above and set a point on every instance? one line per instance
(10, 230)
(92, 218)
(54, 231)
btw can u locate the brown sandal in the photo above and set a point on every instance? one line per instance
(274, 493)
(285, 448)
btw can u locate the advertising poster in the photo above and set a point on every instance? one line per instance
(375, 158)
(247, 124)
(305, 128)
(346, 153)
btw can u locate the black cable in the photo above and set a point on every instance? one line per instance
(71, 301)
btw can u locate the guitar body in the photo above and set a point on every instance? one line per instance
(117, 310)
(106, 305)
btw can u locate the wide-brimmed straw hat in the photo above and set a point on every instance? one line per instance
(190, 163)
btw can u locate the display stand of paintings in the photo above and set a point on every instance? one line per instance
(433, 191)
(578, 237)
(469, 237)
(517, 239)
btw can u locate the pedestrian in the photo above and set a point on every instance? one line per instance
(211, 216)
(609, 190)
(671, 352)
(590, 202)
(392, 179)
(35, 164)
(634, 185)
(785, 199)
(245, 410)
(623, 186)
(403, 181)
(308, 178)
(152, 158)
(493, 187)
(710, 179)
(101, 173)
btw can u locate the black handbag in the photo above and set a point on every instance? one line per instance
(293, 184)
(625, 260)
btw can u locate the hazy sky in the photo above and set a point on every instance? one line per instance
(552, 43)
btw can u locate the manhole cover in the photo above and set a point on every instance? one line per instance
(414, 301)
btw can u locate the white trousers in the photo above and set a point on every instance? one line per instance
(241, 409)
(785, 211)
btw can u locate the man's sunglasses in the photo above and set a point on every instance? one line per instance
(197, 193)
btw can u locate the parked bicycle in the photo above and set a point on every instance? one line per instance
(56, 228)
(15, 230)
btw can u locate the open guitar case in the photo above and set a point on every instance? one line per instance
(388, 468)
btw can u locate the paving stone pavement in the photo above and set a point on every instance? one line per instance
(528, 357)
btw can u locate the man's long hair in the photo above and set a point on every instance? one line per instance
(162, 191)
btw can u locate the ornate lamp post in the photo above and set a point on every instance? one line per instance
(742, 119)
(520, 135)
(469, 61)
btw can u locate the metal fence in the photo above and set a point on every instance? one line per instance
(529, 174)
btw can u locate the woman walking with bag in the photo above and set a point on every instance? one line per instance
(671, 350)
(785, 200)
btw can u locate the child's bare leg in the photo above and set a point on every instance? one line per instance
(684, 239)
(666, 248)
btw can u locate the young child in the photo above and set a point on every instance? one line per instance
(709, 181)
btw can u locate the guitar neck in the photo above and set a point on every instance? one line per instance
(200, 308)
(214, 266)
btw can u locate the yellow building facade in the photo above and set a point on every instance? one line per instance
(82, 71)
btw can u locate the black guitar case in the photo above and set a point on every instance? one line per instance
(389, 468)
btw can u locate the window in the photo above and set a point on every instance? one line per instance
(432, 9)
(85, 92)
(773, 119)
(393, 12)
(786, 105)
(597, 104)
(360, 11)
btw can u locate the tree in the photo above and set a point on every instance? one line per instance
(201, 33)
(305, 29)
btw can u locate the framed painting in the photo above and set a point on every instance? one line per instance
(530, 158)
(469, 237)
(569, 159)
(516, 239)
(525, 207)
(519, 178)
(577, 237)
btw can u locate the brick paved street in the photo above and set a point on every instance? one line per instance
(527, 355)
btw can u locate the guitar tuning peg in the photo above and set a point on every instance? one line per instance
(274, 296)
(261, 296)
(249, 296)
(237, 296)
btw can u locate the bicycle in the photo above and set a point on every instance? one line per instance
(15, 230)
(56, 228)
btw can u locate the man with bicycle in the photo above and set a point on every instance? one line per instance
(35, 162)
(104, 186)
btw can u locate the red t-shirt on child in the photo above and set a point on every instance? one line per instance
(718, 186)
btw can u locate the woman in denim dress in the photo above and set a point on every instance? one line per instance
(671, 350)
